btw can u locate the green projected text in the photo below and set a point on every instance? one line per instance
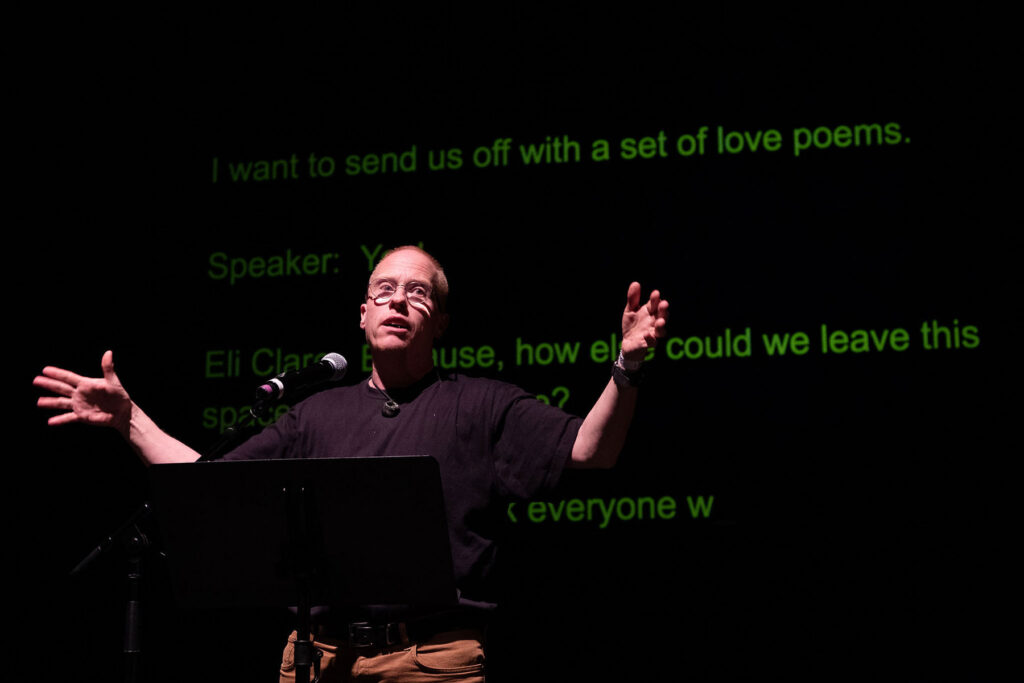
(560, 148)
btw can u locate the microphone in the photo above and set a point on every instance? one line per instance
(330, 368)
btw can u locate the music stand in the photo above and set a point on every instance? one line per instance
(334, 531)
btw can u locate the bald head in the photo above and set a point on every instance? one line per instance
(438, 281)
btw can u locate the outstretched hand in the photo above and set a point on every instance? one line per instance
(643, 322)
(89, 400)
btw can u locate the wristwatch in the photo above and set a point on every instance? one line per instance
(627, 373)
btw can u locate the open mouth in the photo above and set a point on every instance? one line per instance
(396, 324)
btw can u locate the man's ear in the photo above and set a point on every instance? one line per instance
(362, 317)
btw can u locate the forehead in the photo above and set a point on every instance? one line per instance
(405, 265)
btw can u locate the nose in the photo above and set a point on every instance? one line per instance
(399, 290)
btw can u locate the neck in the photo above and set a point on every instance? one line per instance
(389, 375)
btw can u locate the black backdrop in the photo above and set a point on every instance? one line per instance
(857, 502)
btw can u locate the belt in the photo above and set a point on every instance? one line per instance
(365, 634)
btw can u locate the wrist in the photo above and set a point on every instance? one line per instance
(137, 427)
(631, 362)
(627, 371)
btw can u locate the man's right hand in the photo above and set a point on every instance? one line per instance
(98, 401)
(103, 401)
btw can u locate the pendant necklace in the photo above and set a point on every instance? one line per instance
(390, 408)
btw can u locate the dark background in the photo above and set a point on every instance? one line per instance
(863, 518)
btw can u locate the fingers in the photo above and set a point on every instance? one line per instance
(633, 296)
(70, 387)
(656, 307)
(57, 386)
(658, 310)
(61, 375)
(64, 382)
(65, 418)
(58, 403)
(661, 316)
(652, 303)
(62, 402)
(107, 364)
(54, 402)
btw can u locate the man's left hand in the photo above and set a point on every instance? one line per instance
(643, 323)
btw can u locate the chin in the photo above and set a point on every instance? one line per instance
(390, 345)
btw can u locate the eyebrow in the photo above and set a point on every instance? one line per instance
(407, 282)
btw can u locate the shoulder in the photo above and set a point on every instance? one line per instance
(497, 397)
(483, 387)
(330, 398)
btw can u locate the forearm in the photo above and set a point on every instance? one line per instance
(152, 444)
(603, 432)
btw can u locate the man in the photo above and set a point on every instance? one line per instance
(492, 440)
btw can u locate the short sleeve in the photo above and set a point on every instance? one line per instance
(534, 444)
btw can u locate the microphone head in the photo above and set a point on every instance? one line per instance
(338, 363)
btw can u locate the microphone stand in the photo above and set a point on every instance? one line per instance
(136, 543)
(234, 435)
(307, 656)
(300, 515)
(269, 393)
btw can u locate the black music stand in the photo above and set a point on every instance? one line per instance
(338, 531)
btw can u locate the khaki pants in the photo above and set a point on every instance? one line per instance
(452, 656)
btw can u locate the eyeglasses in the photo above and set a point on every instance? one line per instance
(381, 291)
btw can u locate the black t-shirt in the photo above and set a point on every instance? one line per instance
(493, 441)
